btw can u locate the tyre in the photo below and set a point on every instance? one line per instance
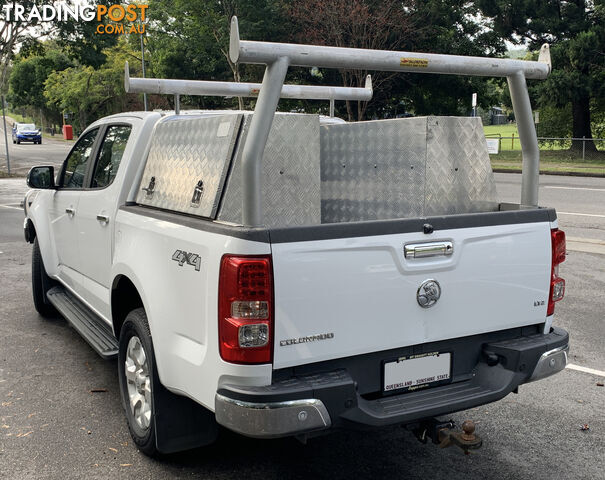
(41, 283)
(18, 142)
(138, 376)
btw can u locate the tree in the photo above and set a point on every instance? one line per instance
(28, 76)
(13, 32)
(190, 39)
(452, 28)
(380, 25)
(82, 43)
(435, 26)
(576, 30)
(88, 92)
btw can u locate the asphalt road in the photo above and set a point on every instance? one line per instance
(24, 156)
(53, 426)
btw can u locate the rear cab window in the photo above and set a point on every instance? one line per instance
(110, 155)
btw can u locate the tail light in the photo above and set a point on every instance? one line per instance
(557, 284)
(245, 309)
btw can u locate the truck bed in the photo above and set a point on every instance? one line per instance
(351, 283)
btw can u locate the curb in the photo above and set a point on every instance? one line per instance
(546, 172)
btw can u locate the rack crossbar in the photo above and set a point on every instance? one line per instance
(391, 61)
(239, 89)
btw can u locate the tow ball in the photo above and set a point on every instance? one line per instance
(444, 435)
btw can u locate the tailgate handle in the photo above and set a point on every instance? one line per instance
(432, 249)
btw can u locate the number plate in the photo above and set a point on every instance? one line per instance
(417, 371)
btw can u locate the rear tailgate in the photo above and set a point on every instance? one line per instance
(343, 290)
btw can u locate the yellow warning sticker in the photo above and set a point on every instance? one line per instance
(413, 62)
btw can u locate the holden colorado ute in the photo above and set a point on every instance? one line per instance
(286, 274)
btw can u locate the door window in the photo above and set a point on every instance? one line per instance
(75, 166)
(110, 155)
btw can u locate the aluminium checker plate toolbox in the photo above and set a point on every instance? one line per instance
(405, 168)
(208, 149)
(183, 153)
(400, 168)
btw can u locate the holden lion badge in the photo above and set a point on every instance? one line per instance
(428, 293)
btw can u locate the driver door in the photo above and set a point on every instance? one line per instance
(96, 216)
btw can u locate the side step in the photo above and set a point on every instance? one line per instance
(90, 326)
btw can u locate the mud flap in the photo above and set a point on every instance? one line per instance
(180, 423)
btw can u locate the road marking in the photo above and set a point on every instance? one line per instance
(586, 245)
(11, 206)
(594, 241)
(592, 371)
(582, 214)
(578, 188)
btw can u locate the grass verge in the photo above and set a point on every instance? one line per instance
(6, 175)
(553, 169)
(549, 166)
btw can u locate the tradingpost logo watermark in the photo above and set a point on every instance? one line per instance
(112, 20)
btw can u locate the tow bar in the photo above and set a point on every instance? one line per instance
(443, 434)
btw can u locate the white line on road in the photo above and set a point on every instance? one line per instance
(586, 245)
(582, 214)
(592, 371)
(11, 206)
(594, 241)
(577, 188)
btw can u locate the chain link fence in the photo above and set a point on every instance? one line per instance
(569, 156)
(557, 150)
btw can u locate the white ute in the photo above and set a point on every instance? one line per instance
(286, 274)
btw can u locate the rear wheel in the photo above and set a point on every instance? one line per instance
(41, 283)
(137, 374)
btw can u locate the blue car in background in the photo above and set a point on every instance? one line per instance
(26, 132)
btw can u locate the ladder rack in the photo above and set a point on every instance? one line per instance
(238, 89)
(279, 56)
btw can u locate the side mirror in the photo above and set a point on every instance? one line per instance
(41, 177)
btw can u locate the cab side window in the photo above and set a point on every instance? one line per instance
(76, 164)
(110, 155)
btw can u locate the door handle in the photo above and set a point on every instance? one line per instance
(70, 211)
(103, 218)
(427, 249)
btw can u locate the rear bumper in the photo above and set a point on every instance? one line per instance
(330, 398)
(551, 362)
(34, 138)
(272, 419)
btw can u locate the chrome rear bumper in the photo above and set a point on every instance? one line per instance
(550, 363)
(271, 420)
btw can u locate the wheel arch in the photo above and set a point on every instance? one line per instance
(125, 297)
(38, 225)
(29, 230)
